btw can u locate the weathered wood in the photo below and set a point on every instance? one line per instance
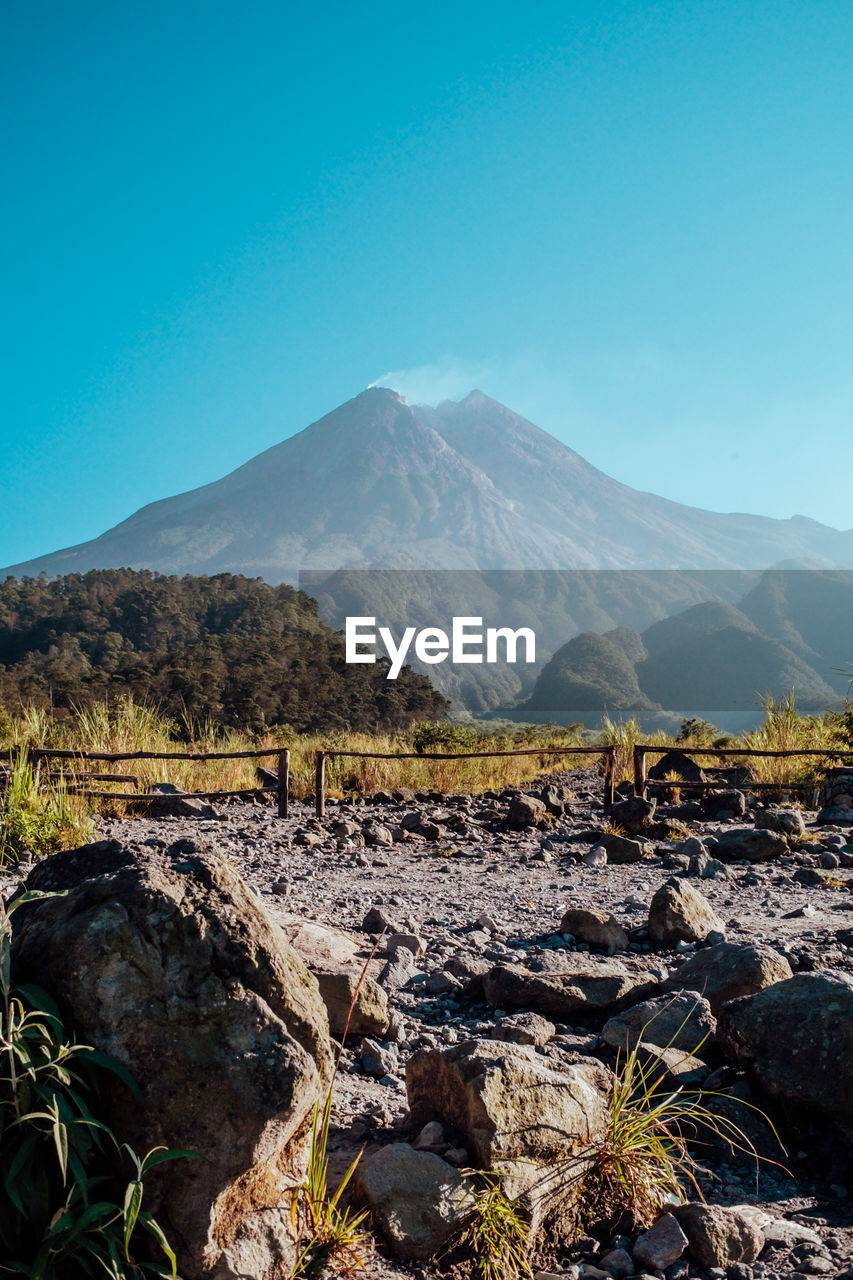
(64, 754)
(146, 797)
(76, 776)
(640, 771)
(467, 755)
(830, 752)
(283, 794)
(609, 770)
(320, 784)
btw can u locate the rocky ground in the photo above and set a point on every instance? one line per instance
(530, 920)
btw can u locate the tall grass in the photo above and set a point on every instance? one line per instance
(35, 820)
(127, 725)
(784, 729)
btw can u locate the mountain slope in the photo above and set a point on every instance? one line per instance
(788, 633)
(378, 482)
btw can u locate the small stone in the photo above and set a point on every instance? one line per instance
(661, 1245)
(524, 1028)
(431, 1135)
(375, 1060)
(617, 1263)
(376, 921)
(417, 946)
(487, 922)
(598, 928)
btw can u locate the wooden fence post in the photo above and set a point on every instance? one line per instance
(35, 765)
(609, 766)
(283, 783)
(639, 772)
(320, 785)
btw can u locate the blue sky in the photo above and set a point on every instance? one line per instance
(629, 221)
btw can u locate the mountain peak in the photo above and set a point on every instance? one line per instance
(469, 484)
(377, 393)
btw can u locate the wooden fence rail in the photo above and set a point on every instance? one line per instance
(609, 754)
(642, 750)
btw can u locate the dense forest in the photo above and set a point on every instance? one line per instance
(228, 649)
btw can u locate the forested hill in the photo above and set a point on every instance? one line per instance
(228, 648)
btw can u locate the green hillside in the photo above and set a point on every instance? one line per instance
(230, 649)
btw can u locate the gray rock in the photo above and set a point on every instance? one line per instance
(416, 1199)
(679, 913)
(378, 836)
(200, 996)
(581, 984)
(728, 970)
(796, 1039)
(364, 1007)
(411, 942)
(524, 1028)
(682, 1021)
(750, 844)
(171, 802)
(622, 851)
(661, 1245)
(719, 1237)
(539, 1124)
(617, 1263)
(634, 816)
(715, 803)
(787, 821)
(525, 811)
(377, 1061)
(597, 928)
(378, 921)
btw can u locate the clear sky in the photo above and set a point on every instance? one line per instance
(632, 222)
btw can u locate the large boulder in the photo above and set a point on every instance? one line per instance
(583, 985)
(679, 913)
(796, 1039)
(537, 1123)
(165, 960)
(750, 844)
(729, 970)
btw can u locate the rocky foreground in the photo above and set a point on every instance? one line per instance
(524, 944)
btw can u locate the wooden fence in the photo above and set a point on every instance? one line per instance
(78, 782)
(609, 754)
(642, 750)
(39, 755)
